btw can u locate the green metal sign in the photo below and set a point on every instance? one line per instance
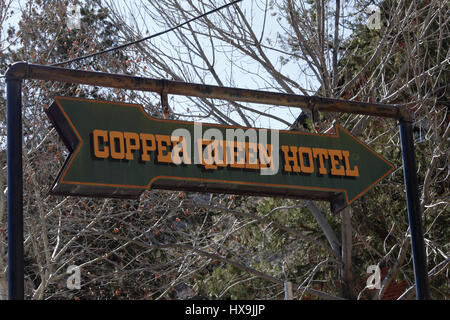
(118, 150)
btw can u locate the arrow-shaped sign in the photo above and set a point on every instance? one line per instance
(118, 150)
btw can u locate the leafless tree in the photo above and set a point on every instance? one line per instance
(159, 246)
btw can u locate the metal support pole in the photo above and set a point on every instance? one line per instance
(15, 189)
(23, 70)
(414, 212)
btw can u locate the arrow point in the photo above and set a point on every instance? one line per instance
(372, 166)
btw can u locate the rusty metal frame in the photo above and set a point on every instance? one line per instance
(20, 71)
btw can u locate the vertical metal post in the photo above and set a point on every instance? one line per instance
(15, 189)
(414, 212)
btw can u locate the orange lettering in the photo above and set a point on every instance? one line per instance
(251, 155)
(209, 158)
(287, 158)
(321, 154)
(130, 147)
(336, 167)
(146, 147)
(114, 137)
(103, 134)
(236, 154)
(349, 172)
(306, 151)
(265, 155)
(163, 157)
(180, 147)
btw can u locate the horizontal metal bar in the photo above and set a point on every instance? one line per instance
(15, 189)
(23, 70)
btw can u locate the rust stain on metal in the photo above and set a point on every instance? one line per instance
(23, 70)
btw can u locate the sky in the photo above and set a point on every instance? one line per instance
(230, 68)
(227, 63)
